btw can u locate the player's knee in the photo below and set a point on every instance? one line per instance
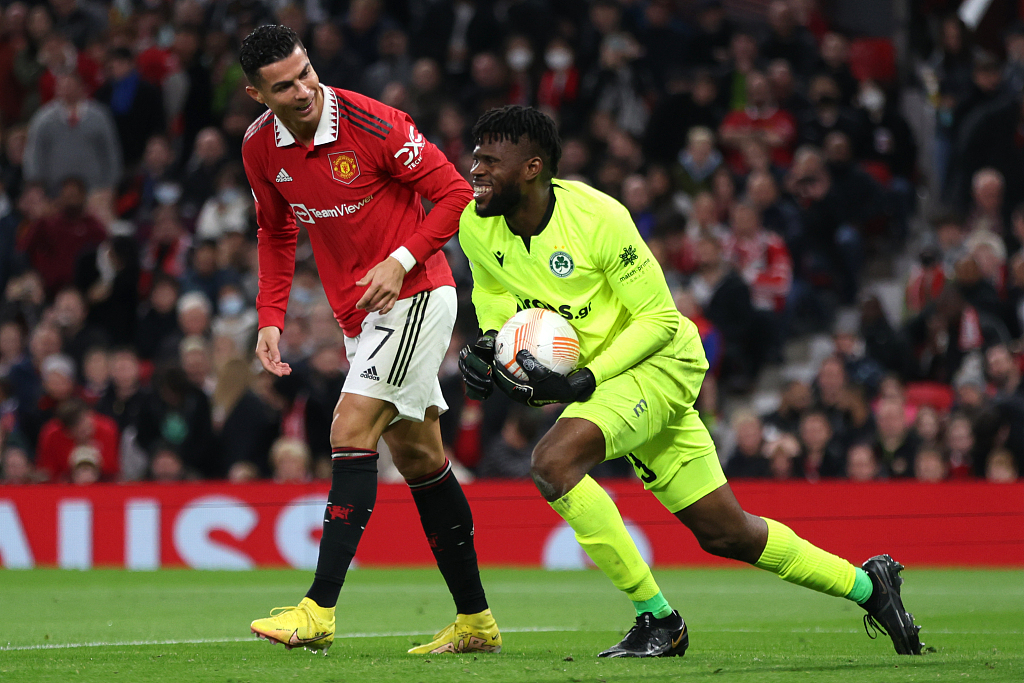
(731, 543)
(346, 433)
(549, 469)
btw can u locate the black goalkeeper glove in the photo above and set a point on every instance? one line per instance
(475, 362)
(544, 386)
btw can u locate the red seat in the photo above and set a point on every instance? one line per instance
(874, 59)
(938, 396)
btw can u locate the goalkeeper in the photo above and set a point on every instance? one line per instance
(533, 241)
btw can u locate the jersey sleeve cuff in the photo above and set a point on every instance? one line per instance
(405, 257)
(271, 317)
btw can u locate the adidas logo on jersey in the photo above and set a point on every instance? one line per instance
(370, 373)
(283, 177)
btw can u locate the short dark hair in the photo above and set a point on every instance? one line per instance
(513, 122)
(266, 45)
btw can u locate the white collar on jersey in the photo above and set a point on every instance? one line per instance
(326, 130)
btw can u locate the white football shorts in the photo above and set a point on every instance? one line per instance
(397, 355)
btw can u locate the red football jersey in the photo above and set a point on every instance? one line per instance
(358, 192)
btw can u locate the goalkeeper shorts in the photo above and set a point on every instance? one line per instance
(646, 414)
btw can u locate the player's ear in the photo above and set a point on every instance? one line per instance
(254, 93)
(534, 167)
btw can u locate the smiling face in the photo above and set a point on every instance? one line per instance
(499, 169)
(291, 88)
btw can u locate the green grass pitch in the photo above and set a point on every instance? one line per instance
(745, 625)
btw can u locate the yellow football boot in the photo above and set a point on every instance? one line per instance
(309, 625)
(468, 633)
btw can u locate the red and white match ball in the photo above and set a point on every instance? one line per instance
(545, 334)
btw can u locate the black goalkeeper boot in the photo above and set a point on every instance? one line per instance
(885, 606)
(652, 637)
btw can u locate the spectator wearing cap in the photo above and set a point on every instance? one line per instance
(74, 427)
(84, 465)
(58, 384)
(73, 136)
(136, 105)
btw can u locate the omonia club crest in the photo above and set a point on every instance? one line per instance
(344, 166)
(561, 264)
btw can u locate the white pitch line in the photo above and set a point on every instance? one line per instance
(533, 629)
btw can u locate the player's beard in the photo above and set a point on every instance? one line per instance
(501, 203)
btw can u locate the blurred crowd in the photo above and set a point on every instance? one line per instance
(765, 155)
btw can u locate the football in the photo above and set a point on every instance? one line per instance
(545, 334)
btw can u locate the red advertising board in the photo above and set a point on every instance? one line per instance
(215, 525)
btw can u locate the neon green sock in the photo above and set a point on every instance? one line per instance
(590, 512)
(862, 587)
(658, 606)
(797, 561)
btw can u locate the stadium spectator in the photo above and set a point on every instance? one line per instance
(70, 314)
(1000, 468)
(861, 463)
(747, 459)
(53, 243)
(228, 210)
(986, 208)
(243, 426)
(761, 258)
(25, 375)
(725, 299)
(16, 467)
(77, 434)
(199, 181)
(290, 461)
(12, 345)
(677, 113)
(834, 246)
(788, 40)
(73, 136)
(895, 445)
(508, 456)
(697, 163)
(167, 466)
(178, 413)
(136, 105)
(930, 466)
(794, 401)
(57, 385)
(820, 454)
(762, 120)
(785, 89)
(152, 184)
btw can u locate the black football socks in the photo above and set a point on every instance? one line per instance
(448, 523)
(349, 504)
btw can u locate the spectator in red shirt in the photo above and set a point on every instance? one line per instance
(761, 120)
(52, 244)
(75, 426)
(761, 258)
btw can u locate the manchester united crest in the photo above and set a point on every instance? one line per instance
(344, 166)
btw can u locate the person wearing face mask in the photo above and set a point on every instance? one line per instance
(559, 87)
(235, 319)
(519, 58)
(890, 154)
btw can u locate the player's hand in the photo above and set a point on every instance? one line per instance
(385, 282)
(475, 362)
(544, 386)
(267, 351)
